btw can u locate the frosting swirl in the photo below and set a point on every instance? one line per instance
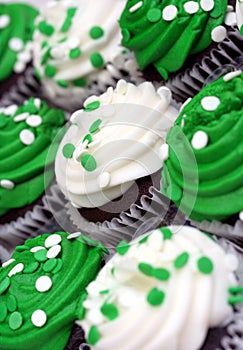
(115, 140)
(209, 129)
(26, 133)
(40, 290)
(162, 291)
(16, 30)
(164, 33)
(73, 42)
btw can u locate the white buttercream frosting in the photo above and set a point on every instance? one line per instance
(132, 127)
(239, 13)
(58, 33)
(195, 294)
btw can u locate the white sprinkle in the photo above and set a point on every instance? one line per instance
(21, 117)
(210, 103)
(34, 120)
(95, 317)
(232, 75)
(16, 269)
(36, 249)
(231, 262)
(39, 318)
(199, 140)
(230, 19)
(73, 43)
(96, 142)
(27, 137)
(11, 110)
(218, 34)
(104, 179)
(182, 123)
(169, 12)
(43, 284)
(24, 56)
(241, 215)
(37, 103)
(16, 44)
(164, 152)
(53, 251)
(7, 184)
(52, 240)
(19, 67)
(122, 87)
(57, 52)
(191, 7)
(207, 5)
(8, 262)
(135, 7)
(229, 8)
(74, 235)
(4, 21)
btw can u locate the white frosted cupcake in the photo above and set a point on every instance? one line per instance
(163, 291)
(77, 48)
(114, 148)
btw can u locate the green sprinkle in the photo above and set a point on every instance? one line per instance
(93, 336)
(122, 248)
(154, 15)
(58, 267)
(68, 150)
(3, 121)
(209, 236)
(97, 60)
(236, 299)
(40, 255)
(166, 232)
(11, 303)
(45, 56)
(30, 108)
(62, 83)
(66, 25)
(21, 248)
(71, 11)
(96, 32)
(155, 297)
(105, 291)
(46, 28)
(74, 53)
(50, 265)
(126, 35)
(4, 285)
(143, 240)
(79, 82)
(161, 274)
(31, 267)
(181, 260)
(235, 289)
(110, 311)
(112, 271)
(62, 40)
(37, 74)
(146, 269)
(95, 126)
(241, 30)
(88, 162)
(92, 106)
(50, 71)
(15, 320)
(44, 44)
(205, 265)
(3, 312)
(88, 137)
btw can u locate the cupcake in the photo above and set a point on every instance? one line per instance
(111, 153)
(184, 42)
(26, 134)
(203, 171)
(77, 49)
(41, 290)
(164, 290)
(16, 30)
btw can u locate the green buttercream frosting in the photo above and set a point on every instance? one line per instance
(165, 33)
(17, 22)
(40, 315)
(24, 146)
(212, 187)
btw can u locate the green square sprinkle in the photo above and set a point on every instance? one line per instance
(161, 274)
(155, 297)
(146, 269)
(68, 150)
(93, 335)
(62, 83)
(75, 53)
(96, 32)
(205, 265)
(122, 248)
(50, 71)
(81, 82)
(181, 260)
(88, 162)
(166, 232)
(110, 311)
(46, 28)
(92, 106)
(96, 60)
(95, 126)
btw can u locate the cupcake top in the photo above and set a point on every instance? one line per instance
(239, 15)
(203, 174)
(165, 33)
(161, 291)
(16, 30)
(74, 40)
(115, 140)
(41, 289)
(26, 133)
